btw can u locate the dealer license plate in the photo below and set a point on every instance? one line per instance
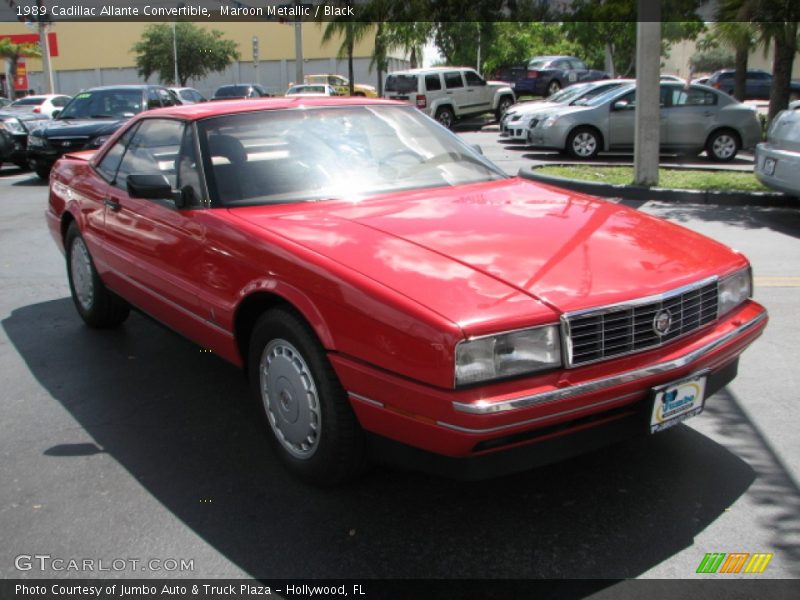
(769, 166)
(676, 402)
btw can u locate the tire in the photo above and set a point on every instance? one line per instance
(308, 416)
(583, 143)
(97, 306)
(22, 164)
(723, 145)
(553, 87)
(502, 107)
(446, 117)
(43, 172)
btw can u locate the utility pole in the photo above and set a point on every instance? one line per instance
(44, 44)
(648, 112)
(298, 49)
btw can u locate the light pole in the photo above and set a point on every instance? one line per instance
(175, 52)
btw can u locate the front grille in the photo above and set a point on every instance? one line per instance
(72, 143)
(621, 329)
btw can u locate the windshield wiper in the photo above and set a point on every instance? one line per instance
(102, 117)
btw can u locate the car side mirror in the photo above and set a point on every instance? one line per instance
(55, 114)
(620, 105)
(153, 186)
(477, 149)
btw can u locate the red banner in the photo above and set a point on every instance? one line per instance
(33, 38)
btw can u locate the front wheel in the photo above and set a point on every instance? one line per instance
(722, 146)
(97, 306)
(309, 418)
(583, 143)
(503, 106)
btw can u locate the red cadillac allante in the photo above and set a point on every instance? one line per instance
(391, 293)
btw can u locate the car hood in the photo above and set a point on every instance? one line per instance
(80, 127)
(529, 108)
(502, 250)
(785, 131)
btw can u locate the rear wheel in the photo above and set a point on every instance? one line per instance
(446, 117)
(583, 143)
(43, 172)
(553, 87)
(96, 305)
(309, 418)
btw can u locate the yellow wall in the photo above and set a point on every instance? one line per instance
(108, 45)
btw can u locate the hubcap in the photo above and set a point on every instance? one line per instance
(446, 119)
(554, 87)
(290, 398)
(724, 146)
(80, 266)
(584, 144)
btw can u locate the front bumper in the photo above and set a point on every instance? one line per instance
(785, 174)
(12, 147)
(474, 422)
(514, 130)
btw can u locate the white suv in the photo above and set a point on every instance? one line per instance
(449, 93)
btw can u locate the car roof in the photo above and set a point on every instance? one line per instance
(229, 107)
(429, 70)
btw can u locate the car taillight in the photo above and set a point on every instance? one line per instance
(716, 85)
(37, 110)
(422, 101)
(533, 74)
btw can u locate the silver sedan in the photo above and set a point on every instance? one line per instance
(694, 118)
(778, 159)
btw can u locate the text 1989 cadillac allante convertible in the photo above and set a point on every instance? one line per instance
(388, 290)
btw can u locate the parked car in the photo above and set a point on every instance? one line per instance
(449, 93)
(519, 118)
(693, 119)
(89, 120)
(757, 86)
(387, 289)
(778, 159)
(668, 77)
(701, 80)
(45, 104)
(189, 95)
(342, 85)
(239, 91)
(14, 128)
(305, 89)
(546, 75)
(4, 102)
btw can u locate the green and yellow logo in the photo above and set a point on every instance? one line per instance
(736, 562)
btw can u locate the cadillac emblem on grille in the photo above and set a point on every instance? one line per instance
(662, 322)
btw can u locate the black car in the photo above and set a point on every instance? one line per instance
(89, 119)
(14, 128)
(757, 85)
(240, 90)
(545, 75)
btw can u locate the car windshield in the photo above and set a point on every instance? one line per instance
(103, 104)
(232, 91)
(569, 93)
(607, 95)
(312, 154)
(593, 91)
(539, 63)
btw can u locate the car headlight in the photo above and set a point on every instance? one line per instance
(507, 354)
(734, 289)
(550, 121)
(35, 141)
(98, 141)
(12, 125)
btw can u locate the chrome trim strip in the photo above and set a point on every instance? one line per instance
(486, 408)
(366, 400)
(537, 419)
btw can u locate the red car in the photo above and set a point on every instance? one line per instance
(392, 293)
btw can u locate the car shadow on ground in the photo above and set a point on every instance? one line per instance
(177, 420)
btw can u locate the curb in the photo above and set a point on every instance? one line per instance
(639, 192)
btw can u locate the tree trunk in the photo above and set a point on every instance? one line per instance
(412, 60)
(740, 77)
(785, 49)
(350, 46)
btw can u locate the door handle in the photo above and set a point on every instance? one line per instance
(112, 204)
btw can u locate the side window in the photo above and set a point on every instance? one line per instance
(60, 101)
(433, 83)
(576, 64)
(152, 99)
(473, 78)
(110, 163)
(153, 149)
(165, 98)
(452, 80)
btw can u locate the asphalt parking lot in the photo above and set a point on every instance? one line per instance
(135, 444)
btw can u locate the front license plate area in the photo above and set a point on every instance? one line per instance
(677, 401)
(769, 166)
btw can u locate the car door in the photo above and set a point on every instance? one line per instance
(478, 94)
(455, 90)
(155, 248)
(687, 117)
(622, 121)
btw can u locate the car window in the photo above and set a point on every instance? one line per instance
(30, 101)
(403, 84)
(560, 64)
(452, 79)
(759, 75)
(153, 149)
(110, 163)
(153, 100)
(188, 180)
(473, 78)
(576, 64)
(104, 104)
(61, 101)
(166, 98)
(433, 82)
(691, 97)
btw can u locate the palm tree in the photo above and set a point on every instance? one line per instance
(350, 33)
(12, 53)
(741, 38)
